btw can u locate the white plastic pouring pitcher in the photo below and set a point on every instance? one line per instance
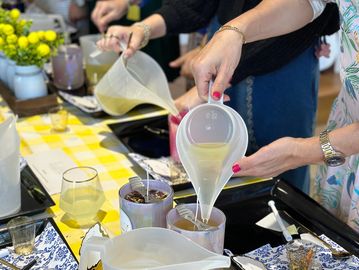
(210, 138)
(10, 199)
(151, 249)
(134, 81)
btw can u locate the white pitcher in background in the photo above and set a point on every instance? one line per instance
(10, 199)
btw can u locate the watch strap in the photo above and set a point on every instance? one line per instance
(328, 151)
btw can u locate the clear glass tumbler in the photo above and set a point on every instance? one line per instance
(22, 231)
(81, 194)
(58, 116)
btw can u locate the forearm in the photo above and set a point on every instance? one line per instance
(345, 140)
(273, 18)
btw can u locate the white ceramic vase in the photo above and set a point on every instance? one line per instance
(3, 67)
(10, 73)
(29, 82)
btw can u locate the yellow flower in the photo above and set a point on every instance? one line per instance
(8, 29)
(50, 35)
(22, 23)
(11, 39)
(33, 38)
(23, 42)
(15, 13)
(1, 41)
(43, 49)
(41, 34)
(11, 48)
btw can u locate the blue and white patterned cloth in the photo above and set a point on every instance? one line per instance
(276, 258)
(51, 253)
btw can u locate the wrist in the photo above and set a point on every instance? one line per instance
(309, 150)
(229, 27)
(146, 33)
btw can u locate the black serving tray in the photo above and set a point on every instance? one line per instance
(245, 205)
(80, 92)
(148, 137)
(30, 204)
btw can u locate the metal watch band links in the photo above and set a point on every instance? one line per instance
(332, 157)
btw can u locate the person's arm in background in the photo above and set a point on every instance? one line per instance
(77, 10)
(219, 58)
(289, 153)
(107, 11)
(175, 16)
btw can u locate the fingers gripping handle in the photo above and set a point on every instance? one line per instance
(210, 99)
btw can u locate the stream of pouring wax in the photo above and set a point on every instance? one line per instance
(208, 161)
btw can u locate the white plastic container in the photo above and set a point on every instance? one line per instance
(210, 138)
(131, 82)
(151, 249)
(10, 199)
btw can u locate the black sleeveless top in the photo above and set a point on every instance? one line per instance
(260, 57)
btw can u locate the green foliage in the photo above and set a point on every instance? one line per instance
(21, 45)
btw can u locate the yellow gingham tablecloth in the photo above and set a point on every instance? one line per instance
(88, 142)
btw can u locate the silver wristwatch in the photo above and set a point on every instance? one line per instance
(332, 157)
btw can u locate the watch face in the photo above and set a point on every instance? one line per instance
(335, 161)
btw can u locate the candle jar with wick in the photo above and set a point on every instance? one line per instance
(67, 68)
(145, 209)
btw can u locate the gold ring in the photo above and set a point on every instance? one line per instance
(115, 36)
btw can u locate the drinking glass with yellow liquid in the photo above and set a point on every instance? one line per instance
(95, 67)
(58, 116)
(81, 194)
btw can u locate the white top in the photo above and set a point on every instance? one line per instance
(318, 7)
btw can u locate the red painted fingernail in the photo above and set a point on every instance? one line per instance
(183, 113)
(236, 168)
(175, 120)
(216, 95)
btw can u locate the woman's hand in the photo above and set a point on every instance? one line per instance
(107, 11)
(190, 99)
(282, 155)
(117, 37)
(185, 62)
(217, 61)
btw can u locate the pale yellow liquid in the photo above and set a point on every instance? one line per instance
(184, 224)
(94, 73)
(59, 120)
(207, 165)
(117, 105)
(82, 203)
(24, 249)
